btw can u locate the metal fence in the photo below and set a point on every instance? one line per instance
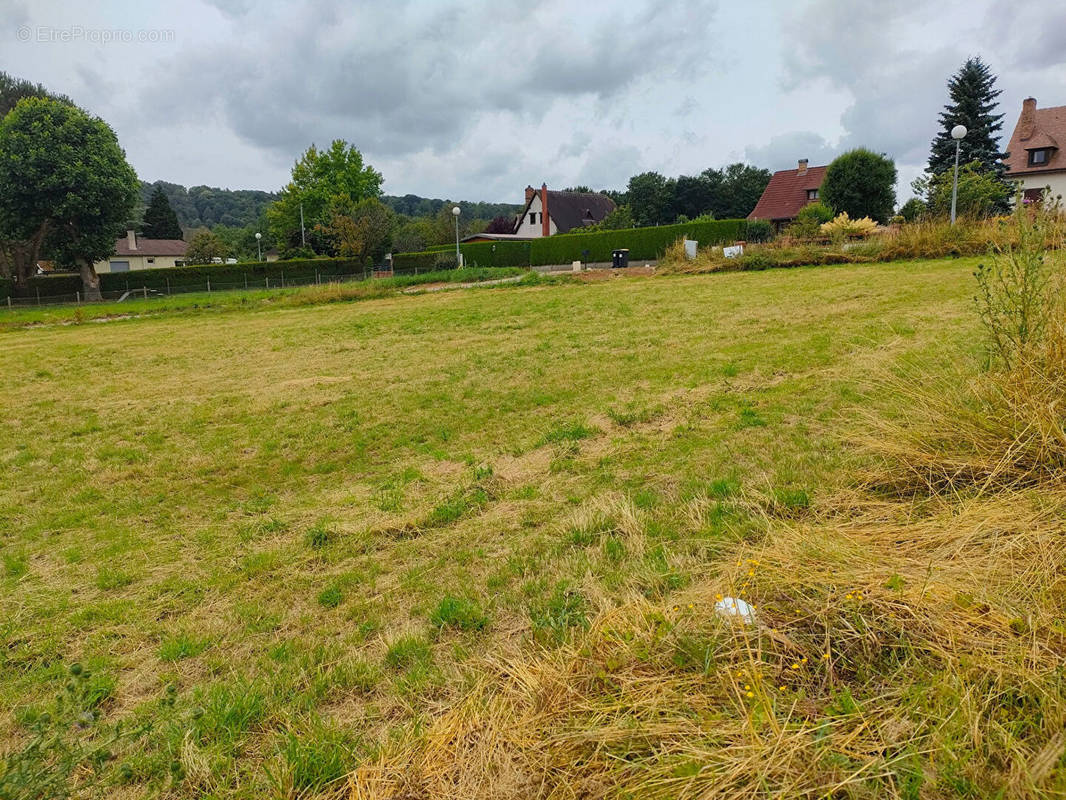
(249, 282)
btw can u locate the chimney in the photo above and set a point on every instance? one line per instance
(131, 239)
(530, 191)
(545, 220)
(802, 169)
(1027, 121)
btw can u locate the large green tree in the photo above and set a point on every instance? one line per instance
(862, 183)
(361, 230)
(160, 221)
(66, 186)
(320, 180)
(650, 198)
(973, 104)
(205, 247)
(13, 89)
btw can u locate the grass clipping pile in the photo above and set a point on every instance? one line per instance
(909, 641)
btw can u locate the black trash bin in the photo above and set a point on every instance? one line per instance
(620, 258)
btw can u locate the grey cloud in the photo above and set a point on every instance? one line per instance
(1032, 36)
(395, 81)
(898, 91)
(784, 150)
(607, 162)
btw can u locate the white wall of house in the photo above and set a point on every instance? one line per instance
(132, 263)
(1057, 182)
(532, 224)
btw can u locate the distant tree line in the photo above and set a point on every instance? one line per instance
(654, 199)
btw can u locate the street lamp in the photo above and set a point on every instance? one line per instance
(455, 213)
(259, 246)
(957, 133)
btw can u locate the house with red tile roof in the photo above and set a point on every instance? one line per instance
(134, 252)
(1034, 157)
(788, 191)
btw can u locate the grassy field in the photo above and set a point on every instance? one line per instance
(284, 545)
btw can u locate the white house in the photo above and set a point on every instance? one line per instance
(547, 213)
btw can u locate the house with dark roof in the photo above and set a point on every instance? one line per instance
(547, 213)
(133, 252)
(788, 191)
(1034, 157)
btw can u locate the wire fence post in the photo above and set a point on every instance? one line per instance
(283, 279)
(38, 290)
(9, 301)
(268, 281)
(246, 281)
(168, 286)
(209, 286)
(76, 294)
(316, 278)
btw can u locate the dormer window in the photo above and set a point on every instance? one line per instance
(1040, 157)
(812, 194)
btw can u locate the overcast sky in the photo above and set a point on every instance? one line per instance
(475, 100)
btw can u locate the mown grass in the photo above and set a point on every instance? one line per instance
(282, 542)
(194, 303)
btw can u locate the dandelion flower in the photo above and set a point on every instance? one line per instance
(749, 694)
(746, 687)
(847, 596)
(795, 665)
(782, 687)
(690, 606)
(825, 656)
(719, 597)
(803, 660)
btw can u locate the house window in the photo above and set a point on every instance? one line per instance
(1037, 158)
(812, 194)
(151, 261)
(179, 263)
(533, 218)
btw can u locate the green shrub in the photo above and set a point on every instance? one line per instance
(759, 230)
(445, 261)
(912, 209)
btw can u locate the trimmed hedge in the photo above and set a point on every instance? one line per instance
(569, 247)
(220, 275)
(496, 254)
(425, 261)
(641, 242)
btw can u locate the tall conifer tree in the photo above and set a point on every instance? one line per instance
(160, 221)
(973, 104)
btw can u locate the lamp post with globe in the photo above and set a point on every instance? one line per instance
(957, 133)
(455, 213)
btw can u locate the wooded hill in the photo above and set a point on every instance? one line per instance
(207, 206)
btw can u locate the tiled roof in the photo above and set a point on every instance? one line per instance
(1048, 130)
(786, 193)
(569, 210)
(151, 247)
